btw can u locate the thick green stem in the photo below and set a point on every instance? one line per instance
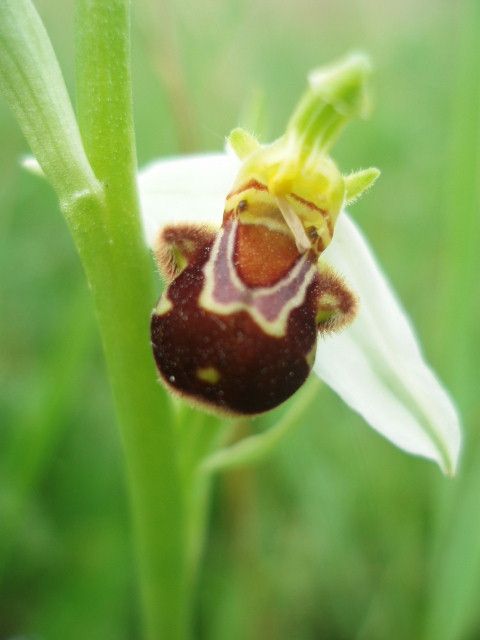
(97, 192)
(120, 274)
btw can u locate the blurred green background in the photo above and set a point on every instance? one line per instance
(339, 535)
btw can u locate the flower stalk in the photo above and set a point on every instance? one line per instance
(121, 278)
(94, 179)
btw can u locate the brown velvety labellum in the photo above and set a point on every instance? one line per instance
(255, 372)
(236, 328)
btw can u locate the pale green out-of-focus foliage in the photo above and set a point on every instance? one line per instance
(339, 535)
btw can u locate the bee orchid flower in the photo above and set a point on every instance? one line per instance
(369, 355)
(288, 195)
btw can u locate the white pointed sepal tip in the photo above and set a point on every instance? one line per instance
(376, 365)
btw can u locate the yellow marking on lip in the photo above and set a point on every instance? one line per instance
(164, 306)
(328, 299)
(310, 357)
(209, 374)
(270, 222)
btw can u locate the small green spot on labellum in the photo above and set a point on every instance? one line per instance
(208, 374)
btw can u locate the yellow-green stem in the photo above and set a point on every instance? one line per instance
(93, 174)
(120, 274)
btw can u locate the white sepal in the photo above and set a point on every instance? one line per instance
(376, 365)
(185, 189)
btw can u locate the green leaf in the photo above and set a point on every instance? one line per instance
(32, 83)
